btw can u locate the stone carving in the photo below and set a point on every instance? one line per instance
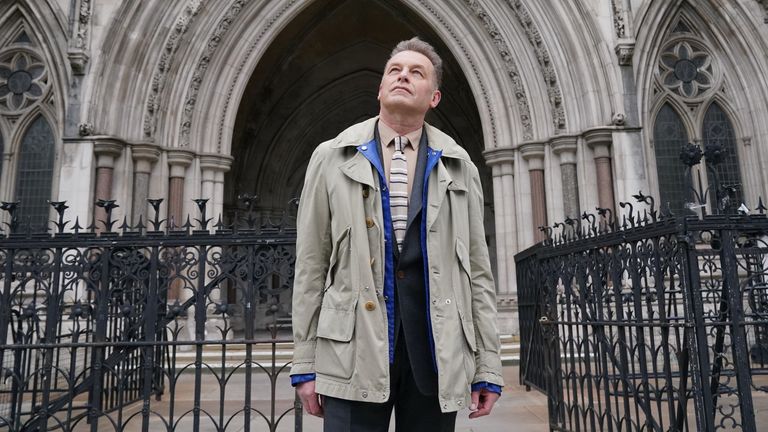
(624, 53)
(686, 68)
(511, 67)
(82, 26)
(619, 119)
(160, 74)
(765, 6)
(85, 129)
(619, 18)
(202, 67)
(533, 33)
(272, 20)
(23, 80)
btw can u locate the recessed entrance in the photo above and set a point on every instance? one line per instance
(320, 75)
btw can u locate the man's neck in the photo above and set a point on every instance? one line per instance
(401, 124)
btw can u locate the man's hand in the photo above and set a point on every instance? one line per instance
(310, 399)
(482, 403)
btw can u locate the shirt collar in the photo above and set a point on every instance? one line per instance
(387, 134)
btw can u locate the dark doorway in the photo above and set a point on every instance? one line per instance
(318, 77)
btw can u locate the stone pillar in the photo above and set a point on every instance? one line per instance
(213, 167)
(502, 160)
(565, 148)
(106, 150)
(600, 141)
(502, 163)
(178, 161)
(144, 156)
(533, 153)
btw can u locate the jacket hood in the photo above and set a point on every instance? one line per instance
(362, 133)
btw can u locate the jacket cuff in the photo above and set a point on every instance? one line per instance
(298, 379)
(484, 385)
(488, 368)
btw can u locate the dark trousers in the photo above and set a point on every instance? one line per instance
(414, 412)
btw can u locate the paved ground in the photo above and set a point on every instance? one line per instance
(516, 411)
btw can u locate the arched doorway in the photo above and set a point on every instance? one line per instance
(320, 75)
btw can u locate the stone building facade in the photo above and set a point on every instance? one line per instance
(565, 105)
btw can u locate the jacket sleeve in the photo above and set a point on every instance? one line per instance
(313, 250)
(488, 357)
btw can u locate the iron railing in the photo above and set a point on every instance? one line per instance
(145, 327)
(650, 322)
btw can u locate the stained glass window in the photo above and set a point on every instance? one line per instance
(717, 129)
(669, 136)
(35, 173)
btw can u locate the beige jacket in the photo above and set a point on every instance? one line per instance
(339, 312)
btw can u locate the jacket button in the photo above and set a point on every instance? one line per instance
(365, 394)
(400, 274)
(369, 222)
(369, 305)
(365, 192)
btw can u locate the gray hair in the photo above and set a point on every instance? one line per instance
(417, 45)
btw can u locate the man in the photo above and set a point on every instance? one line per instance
(394, 303)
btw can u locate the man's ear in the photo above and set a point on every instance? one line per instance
(378, 95)
(436, 96)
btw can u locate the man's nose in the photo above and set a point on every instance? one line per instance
(403, 75)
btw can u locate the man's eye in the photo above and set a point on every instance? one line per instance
(418, 73)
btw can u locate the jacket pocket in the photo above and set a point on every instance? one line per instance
(335, 351)
(340, 247)
(463, 295)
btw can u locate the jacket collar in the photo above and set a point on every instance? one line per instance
(362, 133)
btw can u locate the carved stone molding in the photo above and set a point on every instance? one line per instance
(144, 156)
(201, 68)
(81, 37)
(565, 147)
(764, 3)
(107, 149)
(532, 32)
(624, 53)
(499, 155)
(241, 66)
(160, 74)
(619, 19)
(506, 56)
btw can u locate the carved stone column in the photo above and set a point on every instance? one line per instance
(533, 153)
(178, 161)
(502, 163)
(213, 167)
(106, 149)
(144, 156)
(565, 148)
(600, 141)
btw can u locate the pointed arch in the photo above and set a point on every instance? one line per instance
(669, 135)
(34, 172)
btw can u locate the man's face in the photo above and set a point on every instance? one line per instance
(408, 85)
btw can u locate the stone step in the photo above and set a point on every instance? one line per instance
(262, 354)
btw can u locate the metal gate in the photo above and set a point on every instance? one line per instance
(145, 327)
(650, 322)
(659, 327)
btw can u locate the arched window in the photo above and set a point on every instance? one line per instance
(669, 136)
(717, 129)
(35, 173)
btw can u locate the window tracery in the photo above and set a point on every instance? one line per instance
(689, 84)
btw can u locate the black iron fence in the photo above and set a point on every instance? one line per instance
(650, 322)
(145, 327)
